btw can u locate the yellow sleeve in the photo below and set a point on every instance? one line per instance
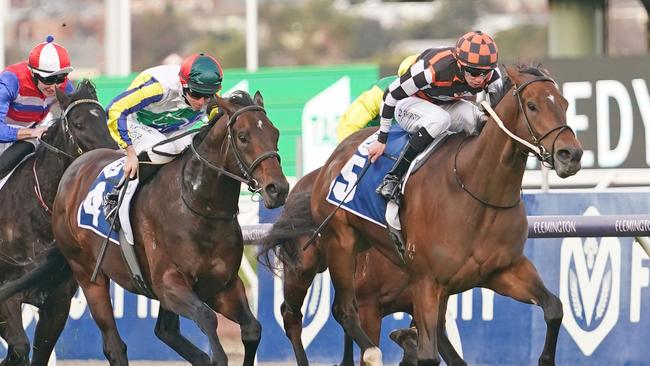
(144, 90)
(363, 110)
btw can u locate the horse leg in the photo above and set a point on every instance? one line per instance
(348, 351)
(341, 262)
(233, 304)
(99, 302)
(425, 313)
(407, 339)
(53, 315)
(168, 330)
(370, 319)
(179, 298)
(14, 333)
(522, 282)
(447, 350)
(295, 286)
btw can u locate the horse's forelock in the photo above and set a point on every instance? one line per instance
(240, 98)
(85, 90)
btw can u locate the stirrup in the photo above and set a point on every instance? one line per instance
(110, 203)
(389, 187)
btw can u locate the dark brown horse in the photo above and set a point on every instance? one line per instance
(462, 218)
(188, 239)
(26, 232)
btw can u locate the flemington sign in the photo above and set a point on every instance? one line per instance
(609, 108)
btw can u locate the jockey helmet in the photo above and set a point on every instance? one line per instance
(477, 50)
(49, 59)
(201, 74)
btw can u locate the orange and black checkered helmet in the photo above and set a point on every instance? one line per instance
(478, 50)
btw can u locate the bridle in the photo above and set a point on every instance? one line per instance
(535, 146)
(73, 142)
(66, 129)
(540, 152)
(245, 169)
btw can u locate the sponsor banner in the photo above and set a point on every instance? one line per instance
(602, 282)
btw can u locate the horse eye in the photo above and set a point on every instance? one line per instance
(242, 138)
(531, 107)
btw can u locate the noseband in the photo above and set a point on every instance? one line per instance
(246, 170)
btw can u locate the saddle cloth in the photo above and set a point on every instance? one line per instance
(92, 211)
(362, 200)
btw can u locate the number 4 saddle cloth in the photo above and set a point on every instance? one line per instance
(93, 210)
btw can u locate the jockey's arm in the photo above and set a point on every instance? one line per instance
(8, 93)
(417, 78)
(140, 94)
(363, 110)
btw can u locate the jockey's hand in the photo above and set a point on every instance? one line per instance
(375, 150)
(31, 133)
(131, 164)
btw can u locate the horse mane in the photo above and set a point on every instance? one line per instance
(507, 82)
(239, 98)
(294, 222)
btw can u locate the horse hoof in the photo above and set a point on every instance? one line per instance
(372, 357)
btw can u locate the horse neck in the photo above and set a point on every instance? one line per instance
(216, 193)
(494, 163)
(49, 165)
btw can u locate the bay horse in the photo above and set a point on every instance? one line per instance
(26, 200)
(188, 239)
(462, 217)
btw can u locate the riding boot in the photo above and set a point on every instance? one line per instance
(418, 142)
(146, 169)
(14, 155)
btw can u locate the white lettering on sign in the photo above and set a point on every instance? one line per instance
(639, 279)
(573, 91)
(606, 90)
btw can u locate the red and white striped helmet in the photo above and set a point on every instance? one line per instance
(49, 59)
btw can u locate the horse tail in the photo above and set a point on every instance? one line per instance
(52, 271)
(283, 238)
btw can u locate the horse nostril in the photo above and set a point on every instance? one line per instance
(568, 155)
(271, 190)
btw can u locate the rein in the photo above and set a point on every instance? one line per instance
(536, 146)
(57, 151)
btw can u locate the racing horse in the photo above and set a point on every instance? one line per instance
(463, 220)
(26, 200)
(188, 239)
(378, 295)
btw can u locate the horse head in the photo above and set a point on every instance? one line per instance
(82, 121)
(542, 118)
(253, 141)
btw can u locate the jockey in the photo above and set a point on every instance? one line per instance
(364, 111)
(433, 97)
(162, 102)
(27, 93)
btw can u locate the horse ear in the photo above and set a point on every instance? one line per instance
(63, 98)
(258, 99)
(225, 105)
(544, 70)
(513, 74)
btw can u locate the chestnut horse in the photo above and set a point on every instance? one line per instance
(188, 240)
(462, 218)
(26, 232)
